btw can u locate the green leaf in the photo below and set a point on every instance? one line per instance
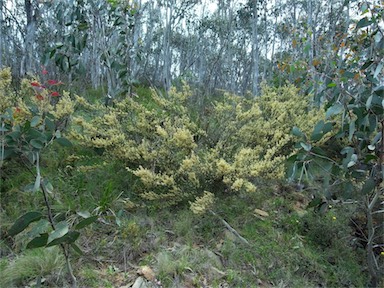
(368, 186)
(85, 222)
(364, 22)
(8, 153)
(379, 91)
(318, 128)
(327, 127)
(22, 222)
(41, 227)
(48, 186)
(50, 124)
(36, 187)
(319, 151)
(331, 85)
(370, 157)
(35, 121)
(352, 161)
(369, 102)
(76, 248)
(84, 214)
(323, 207)
(36, 134)
(35, 143)
(352, 129)
(376, 138)
(334, 110)
(318, 131)
(378, 69)
(29, 187)
(366, 64)
(60, 231)
(68, 238)
(317, 137)
(15, 135)
(306, 146)
(64, 142)
(39, 241)
(297, 132)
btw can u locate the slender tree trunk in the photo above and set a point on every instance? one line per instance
(277, 4)
(167, 55)
(1, 34)
(134, 69)
(255, 51)
(27, 63)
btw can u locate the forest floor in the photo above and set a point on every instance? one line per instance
(267, 239)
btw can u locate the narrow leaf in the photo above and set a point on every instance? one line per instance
(50, 124)
(378, 69)
(60, 231)
(35, 143)
(352, 129)
(76, 248)
(366, 64)
(68, 238)
(86, 222)
(41, 227)
(364, 22)
(39, 241)
(369, 102)
(23, 222)
(64, 142)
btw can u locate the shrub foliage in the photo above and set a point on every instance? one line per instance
(177, 152)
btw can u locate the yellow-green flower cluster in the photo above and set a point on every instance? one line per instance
(203, 203)
(6, 96)
(65, 107)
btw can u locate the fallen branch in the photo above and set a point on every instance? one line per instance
(230, 228)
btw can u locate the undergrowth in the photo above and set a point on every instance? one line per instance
(289, 245)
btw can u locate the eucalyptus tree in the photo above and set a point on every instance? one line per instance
(354, 94)
(1, 34)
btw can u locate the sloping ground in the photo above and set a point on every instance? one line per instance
(285, 246)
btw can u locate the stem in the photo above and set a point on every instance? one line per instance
(373, 266)
(65, 248)
(371, 259)
(2, 144)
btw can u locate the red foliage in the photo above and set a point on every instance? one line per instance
(55, 94)
(39, 97)
(53, 82)
(35, 84)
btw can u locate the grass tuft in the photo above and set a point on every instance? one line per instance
(30, 265)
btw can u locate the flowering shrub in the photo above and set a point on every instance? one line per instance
(177, 156)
